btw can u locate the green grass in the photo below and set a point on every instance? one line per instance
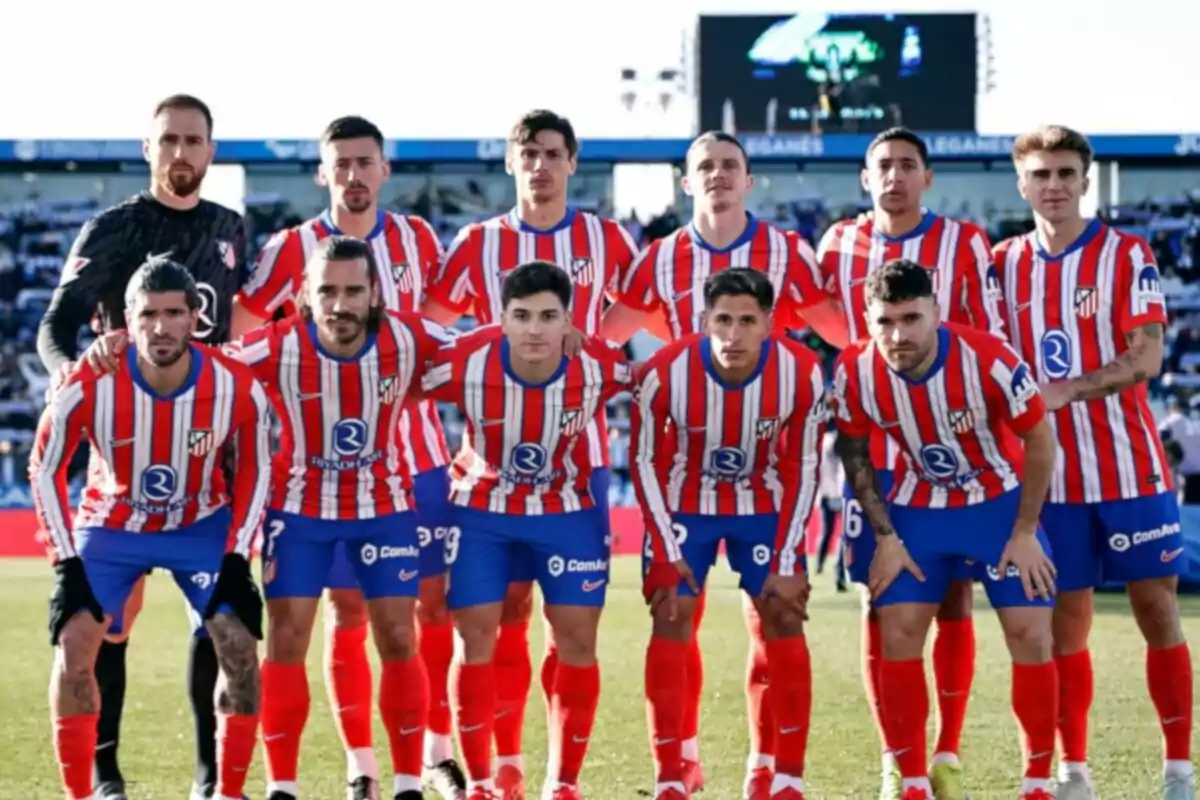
(843, 758)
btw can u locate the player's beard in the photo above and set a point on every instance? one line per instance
(347, 332)
(182, 182)
(358, 202)
(162, 360)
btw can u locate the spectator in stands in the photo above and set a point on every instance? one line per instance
(1180, 434)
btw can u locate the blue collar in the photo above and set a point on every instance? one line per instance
(1089, 233)
(939, 361)
(506, 362)
(747, 236)
(380, 223)
(316, 340)
(706, 359)
(927, 220)
(515, 221)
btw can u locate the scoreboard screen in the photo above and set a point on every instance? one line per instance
(838, 72)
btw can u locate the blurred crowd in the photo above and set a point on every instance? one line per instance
(36, 233)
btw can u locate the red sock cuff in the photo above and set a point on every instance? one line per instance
(341, 636)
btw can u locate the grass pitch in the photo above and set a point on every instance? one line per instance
(156, 749)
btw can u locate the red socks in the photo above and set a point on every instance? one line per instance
(1169, 674)
(905, 701)
(348, 679)
(1076, 686)
(75, 747)
(437, 651)
(473, 692)
(791, 702)
(237, 736)
(666, 697)
(1035, 705)
(285, 705)
(576, 695)
(953, 670)
(404, 706)
(758, 703)
(872, 655)
(694, 681)
(514, 674)
(549, 665)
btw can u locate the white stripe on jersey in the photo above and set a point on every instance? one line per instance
(244, 537)
(45, 480)
(809, 483)
(646, 448)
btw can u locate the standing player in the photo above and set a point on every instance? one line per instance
(666, 285)
(523, 492)
(1085, 308)
(958, 256)
(595, 252)
(355, 168)
(209, 240)
(157, 498)
(746, 411)
(959, 402)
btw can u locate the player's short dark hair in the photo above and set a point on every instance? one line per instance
(186, 102)
(899, 281)
(900, 134)
(158, 275)
(1053, 139)
(343, 248)
(739, 282)
(533, 278)
(718, 136)
(534, 122)
(344, 128)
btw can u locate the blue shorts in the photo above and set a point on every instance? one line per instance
(116, 560)
(431, 495)
(523, 566)
(858, 537)
(383, 553)
(569, 554)
(938, 539)
(1120, 540)
(749, 547)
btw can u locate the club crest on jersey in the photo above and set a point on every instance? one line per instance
(1087, 301)
(402, 275)
(962, 420)
(200, 441)
(227, 253)
(767, 427)
(389, 389)
(572, 422)
(583, 271)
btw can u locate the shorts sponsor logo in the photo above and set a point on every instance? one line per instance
(1011, 572)
(371, 553)
(761, 554)
(1120, 542)
(204, 579)
(557, 565)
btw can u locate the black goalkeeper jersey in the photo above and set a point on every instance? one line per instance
(210, 240)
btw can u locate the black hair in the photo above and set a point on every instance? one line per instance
(899, 134)
(344, 128)
(718, 136)
(186, 102)
(158, 275)
(343, 248)
(898, 281)
(533, 278)
(739, 282)
(534, 122)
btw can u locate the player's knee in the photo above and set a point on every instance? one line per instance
(959, 601)
(1156, 608)
(778, 622)
(1029, 634)
(1072, 621)
(477, 628)
(431, 602)
(677, 628)
(288, 633)
(238, 690)
(518, 604)
(575, 632)
(347, 608)
(902, 630)
(396, 640)
(78, 644)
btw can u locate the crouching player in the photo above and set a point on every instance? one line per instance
(746, 412)
(957, 401)
(157, 425)
(521, 491)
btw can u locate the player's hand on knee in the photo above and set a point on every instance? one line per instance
(891, 558)
(791, 592)
(660, 587)
(236, 588)
(72, 595)
(1037, 571)
(104, 353)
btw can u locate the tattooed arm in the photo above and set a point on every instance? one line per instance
(237, 657)
(1141, 361)
(855, 452)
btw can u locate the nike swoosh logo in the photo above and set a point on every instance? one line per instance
(1167, 721)
(410, 731)
(105, 745)
(791, 730)
(1169, 556)
(661, 742)
(120, 442)
(471, 728)
(1022, 307)
(579, 739)
(273, 736)
(310, 396)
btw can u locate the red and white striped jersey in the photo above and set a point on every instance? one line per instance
(957, 254)
(703, 446)
(407, 251)
(341, 454)
(523, 451)
(670, 273)
(1069, 315)
(157, 461)
(595, 251)
(958, 426)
